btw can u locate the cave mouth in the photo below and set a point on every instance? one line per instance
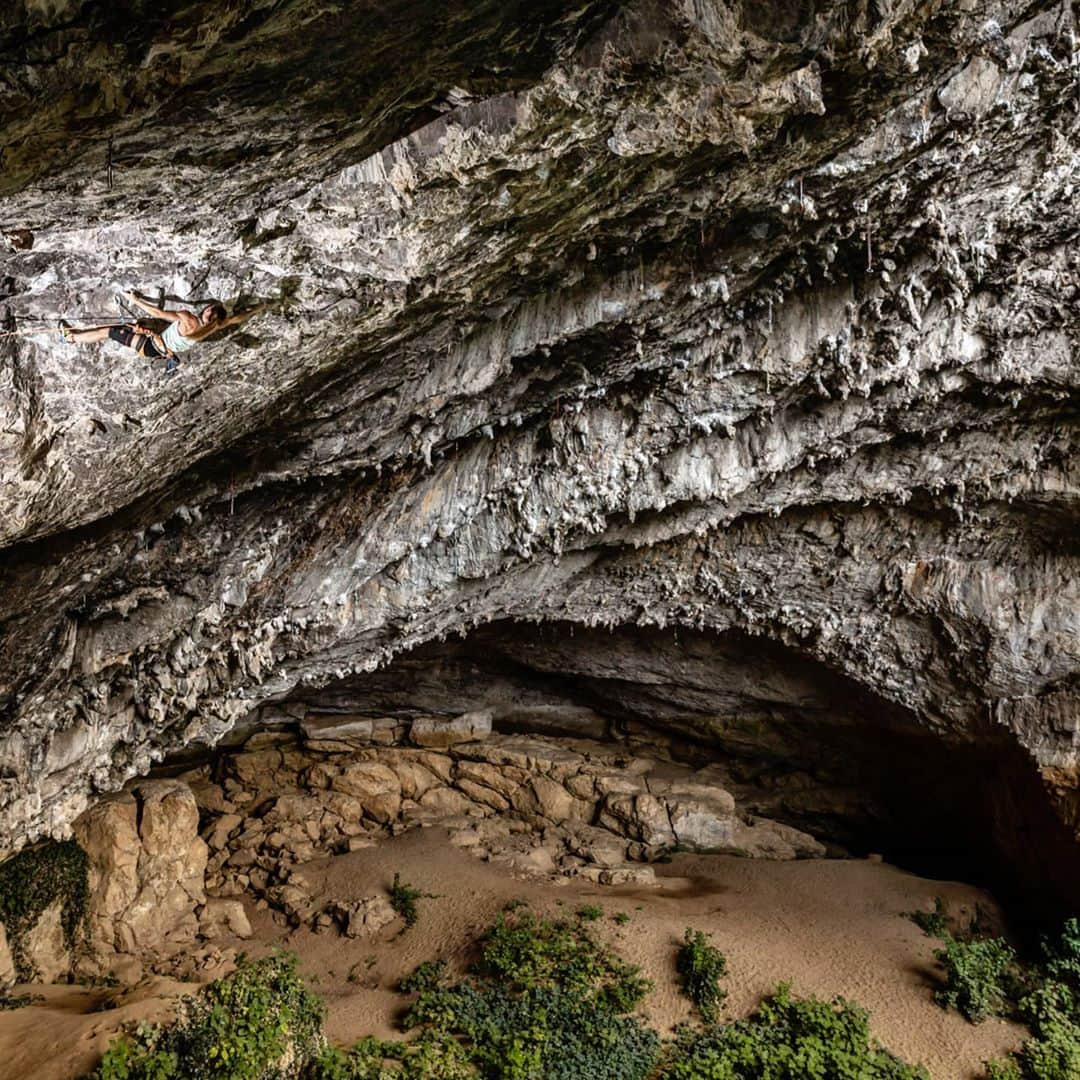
(795, 742)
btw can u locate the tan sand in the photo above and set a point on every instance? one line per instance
(829, 927)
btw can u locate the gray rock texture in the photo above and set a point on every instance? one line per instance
(745, 318)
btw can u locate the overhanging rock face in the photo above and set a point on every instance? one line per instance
(752, 317)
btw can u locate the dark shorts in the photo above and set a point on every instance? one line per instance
(141, 343)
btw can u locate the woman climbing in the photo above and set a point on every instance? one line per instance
(185, 329)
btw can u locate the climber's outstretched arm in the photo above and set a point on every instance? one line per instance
(243, 316)
(158, 313)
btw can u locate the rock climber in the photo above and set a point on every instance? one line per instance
(185, 329)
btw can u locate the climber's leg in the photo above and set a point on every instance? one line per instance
(85, 337)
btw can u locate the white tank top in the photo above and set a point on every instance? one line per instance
(174, 340)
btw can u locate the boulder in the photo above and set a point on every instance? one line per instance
(638, 817)
(369, 916)
(446, 802)
(598, 846)
(217, 836)
(440, 732)
(220, 917)
(761, 838)
(539, 860)
(550, 800)
(412, 776)
(576, 721)
(481, 772)
(146, 869)
(703, 823)
(336, 732)
(481, 794)
(376, 787)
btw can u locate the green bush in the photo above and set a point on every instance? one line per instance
(526, 952)
(786, 1039)
(1063, 956)
(976, 974)
(546, 1000)
(259, 1023)
(1052, 1012)
(426, 1058)
(933, 923)
(701, 966)
(1003, 1069)
(32, 881)
(426, 976)
(590, 912)
(984, 978)
(403, 899)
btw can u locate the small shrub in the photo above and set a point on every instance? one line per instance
(18, 1001)
(1052, 1012)
(426, 976)
(590, 912)
(786, 1039)
(976, 973)
(546, 1000)
(933, 923)
(403, 899)
(620, 918)
(426, 1058)
(1063, 955)
(701, 966)
(260, 1021)
(527, 953)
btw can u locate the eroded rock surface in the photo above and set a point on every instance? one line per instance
(550, 807)
(749, 318)
(146, 873)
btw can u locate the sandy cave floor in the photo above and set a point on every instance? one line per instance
(828, 926)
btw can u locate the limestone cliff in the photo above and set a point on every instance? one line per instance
(752, 319)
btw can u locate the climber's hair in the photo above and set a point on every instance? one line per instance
(216, 310)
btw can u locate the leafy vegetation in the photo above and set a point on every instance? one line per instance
(785, 1039)
(427, 976)
(545, 1000)
(983, 978)
(1051, 1009)
(701, 966)
(527, 953)
(934, 923)
(425, 1058)
(403, 899)
(18, 1001)
(590, 912)
(976, 974)
(259, 1022)
(34, 880)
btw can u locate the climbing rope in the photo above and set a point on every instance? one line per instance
(24, 333)
(55, 329)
